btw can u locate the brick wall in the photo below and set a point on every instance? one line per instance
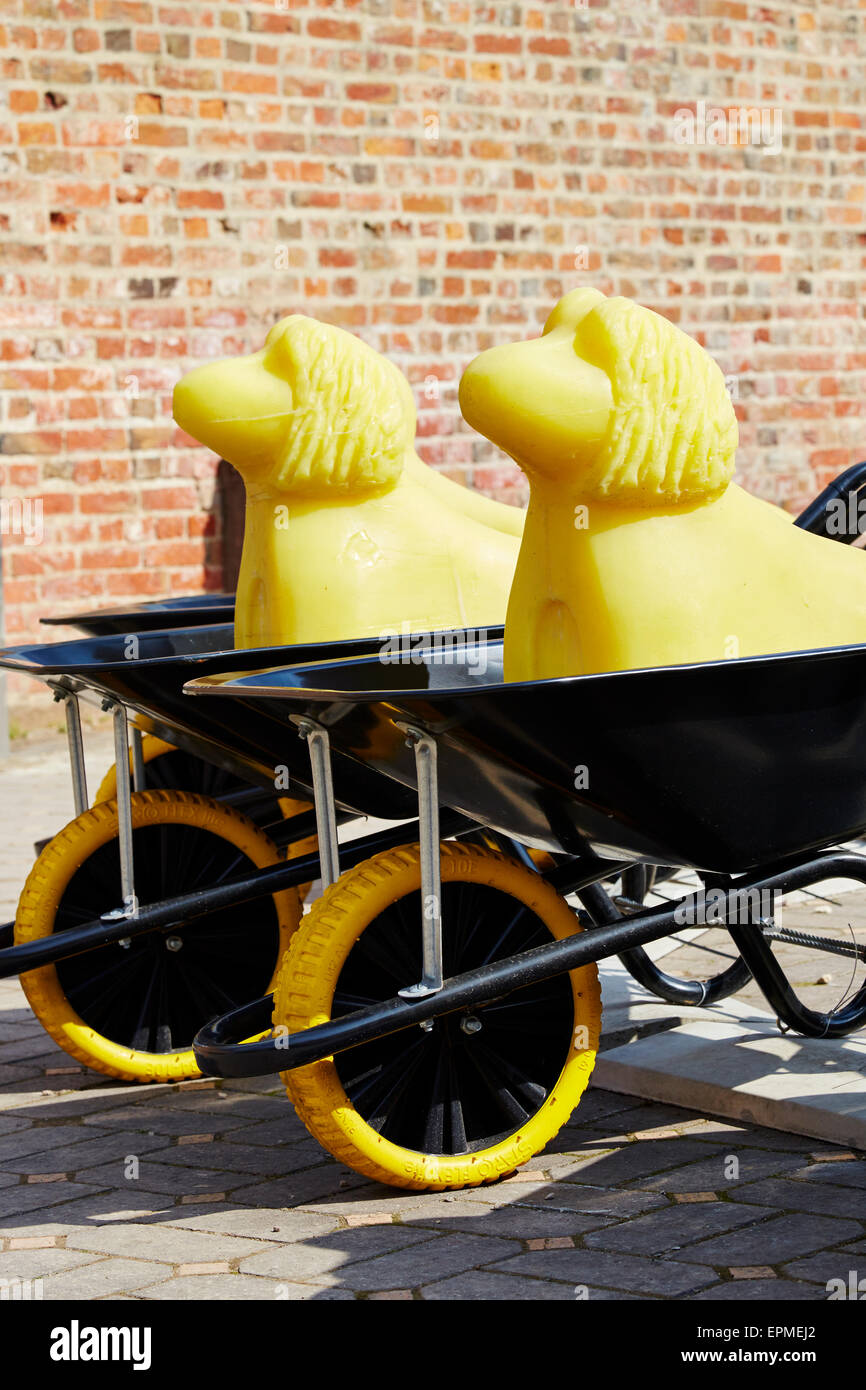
(431, 174)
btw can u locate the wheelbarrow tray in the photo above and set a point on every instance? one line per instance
(720, 766)
(235, 736)
(143, 617)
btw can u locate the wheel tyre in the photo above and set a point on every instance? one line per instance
(153, 749)
(42, 897)
(309, 977)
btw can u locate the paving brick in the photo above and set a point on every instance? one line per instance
(759, 1291)
(785, 1195)
(271, 1224)
(334, 1253)
(165, 1120)
(513, 1222)
(479, 1285)
(564, 1196)
(709, 1174)
(303, 1188)
(15, 1201)
(40, 1139)
(235, 1103)
(168, 1244)
(777, 1239)
(8, 1123)
(733, 1136)
(276, 1133)
(168, 1177)
(442, 1256)
(243, 1286)
(638, 1160)
(240, 1158)
(671, 1229)
(82, 1213)
(35, 1264)
(599, 1270)
(830, 1264)
(79, 1159)
(836, 1174)
(103, 1277)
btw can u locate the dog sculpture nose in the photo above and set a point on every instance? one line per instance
(235, 407)
(539, 401)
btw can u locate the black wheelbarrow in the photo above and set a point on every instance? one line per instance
(212, 823)
(437, 1014)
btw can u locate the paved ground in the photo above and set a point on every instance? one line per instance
(214, 1190)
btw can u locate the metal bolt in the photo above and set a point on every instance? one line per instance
(470, 1024)
(173, 943)
(125, 943)
(427, 1025)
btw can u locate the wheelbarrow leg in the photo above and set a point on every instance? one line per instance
(424, 748)
(124, 817)
(319, 745)
(76, 747)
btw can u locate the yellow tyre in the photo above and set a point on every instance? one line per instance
(484, 1089)
(151, 748)
(132, 1011)
(169, 768)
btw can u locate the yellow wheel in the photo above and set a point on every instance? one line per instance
(151, 749)
(170, 767)
(132, 1011)
(484, 1089)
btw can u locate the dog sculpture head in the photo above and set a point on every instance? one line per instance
(314, 410)
(611, 398)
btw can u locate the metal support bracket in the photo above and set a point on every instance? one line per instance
(424, 747)
(319, 745)
(75, 743)
(129, 910)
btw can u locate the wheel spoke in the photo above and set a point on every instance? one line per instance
(456, 1118)
(515, 1079)
(434, 1127)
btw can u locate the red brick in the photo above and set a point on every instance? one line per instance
(346, 31)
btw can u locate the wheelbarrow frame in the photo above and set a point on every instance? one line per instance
(219, 1049)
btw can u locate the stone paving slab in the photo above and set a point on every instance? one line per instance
(732, 1060)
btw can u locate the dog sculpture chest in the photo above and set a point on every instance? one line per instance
(638, 550)
(348, 533)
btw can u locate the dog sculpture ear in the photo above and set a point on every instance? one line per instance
(353, 415)
(672, 434)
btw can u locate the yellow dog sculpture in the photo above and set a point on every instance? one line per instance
(638, 550)
(348, 533)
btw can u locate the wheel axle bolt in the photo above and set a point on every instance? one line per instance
(173, 943)
(470, 1024)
